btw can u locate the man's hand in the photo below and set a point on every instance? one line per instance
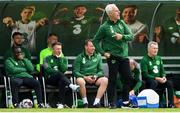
(118, 36)
(160, 80)
(131, 93)
(107, 55)
(164, 79)
(8, 21)
(42, 22)
(90, 79)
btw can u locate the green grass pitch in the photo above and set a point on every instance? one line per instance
(92, 110)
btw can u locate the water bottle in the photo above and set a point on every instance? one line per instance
(34, 99)
(9, 97)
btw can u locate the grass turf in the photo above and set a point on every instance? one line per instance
(92, 110)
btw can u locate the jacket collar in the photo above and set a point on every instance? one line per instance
(111, 22)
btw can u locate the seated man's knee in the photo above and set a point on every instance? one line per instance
(151, 83)
(16, 82)
(102, 81)
(80, 81)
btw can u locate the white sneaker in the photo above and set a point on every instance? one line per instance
(60, 106)
(74, 87)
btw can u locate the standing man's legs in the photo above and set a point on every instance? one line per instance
(113, 71)
(125, 72)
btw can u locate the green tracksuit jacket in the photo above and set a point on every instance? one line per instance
(152, 67)
(53, 64)
(85, 65)
(43, 54)
(18, 68)
(106, 34)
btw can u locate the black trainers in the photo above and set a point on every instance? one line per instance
(98, 105)
(41, 105)
(112, 106)
(86, 105)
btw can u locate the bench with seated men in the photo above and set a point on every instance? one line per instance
(171, 65)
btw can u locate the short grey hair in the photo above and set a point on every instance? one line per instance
(109, 9)
(152, 43)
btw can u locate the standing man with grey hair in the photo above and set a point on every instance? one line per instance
(114, 35)
(153, 72)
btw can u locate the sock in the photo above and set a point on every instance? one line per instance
(96, 101)
(85, 100)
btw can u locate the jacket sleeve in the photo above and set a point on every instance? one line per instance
(76, 67)
(11, 68)
(29, 66)
(47, 66)
(97, 39)
(128, 35)
(138, 77)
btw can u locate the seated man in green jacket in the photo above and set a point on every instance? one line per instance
(55, 66)
(88, 70)
(19, 69)
(52, 38)
(153, 72)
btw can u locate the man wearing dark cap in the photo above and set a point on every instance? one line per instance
(17, 41)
